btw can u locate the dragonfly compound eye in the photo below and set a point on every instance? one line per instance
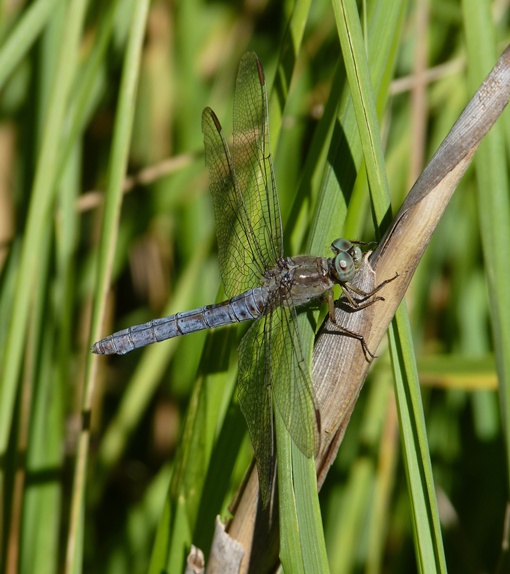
(357, 256)
(344, 266)
(341, 244)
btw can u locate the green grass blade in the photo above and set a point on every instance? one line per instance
(118, 163)
(23, 36)
(428, 538)
(302, 544)
(428, 534)
(291, 45)
(493, 202)
(43, 193)
(169, 442)
(330, 197)
(323, 229)
(353, 50)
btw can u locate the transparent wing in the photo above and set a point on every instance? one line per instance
(272, 370)
(293, 390)
(256, 401)
(242, 183)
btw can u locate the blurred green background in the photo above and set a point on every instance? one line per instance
(158, 415)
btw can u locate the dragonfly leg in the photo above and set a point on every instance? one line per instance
(363, 302)
(369, 356)
(331, 305)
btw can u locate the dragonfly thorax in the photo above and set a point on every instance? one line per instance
(297, 280)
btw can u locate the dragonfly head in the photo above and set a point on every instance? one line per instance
(347, 260)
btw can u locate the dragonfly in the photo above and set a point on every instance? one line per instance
(260, 282)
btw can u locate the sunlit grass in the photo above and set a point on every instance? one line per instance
(168, 446)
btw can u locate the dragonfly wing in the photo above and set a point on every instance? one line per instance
(253, 161)
(256, 402)
(272, 368)
(293, 392)
(242, 184)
